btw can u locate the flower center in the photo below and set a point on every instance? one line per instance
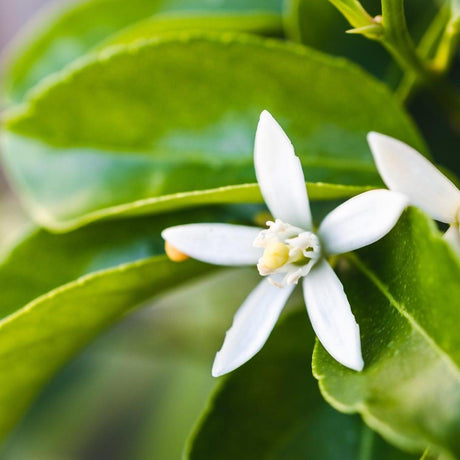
(288, 250)
(276, 254)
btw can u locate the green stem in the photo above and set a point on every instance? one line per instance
(367, 444)
(447, 46)
(428, 455)
(397, 40)
(425, 49)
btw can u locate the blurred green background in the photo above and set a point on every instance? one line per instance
(137, 391)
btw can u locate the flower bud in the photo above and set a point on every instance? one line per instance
(174, 254)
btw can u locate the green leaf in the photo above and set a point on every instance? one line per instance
(271, 409)
(404, 292)
(152, 372)
(167, 24)
(245, 193)
(179, 114)
(41, 337)
(60, 291)
(55, 40)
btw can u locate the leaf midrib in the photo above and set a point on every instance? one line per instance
(451, 365)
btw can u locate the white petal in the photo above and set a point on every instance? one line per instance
(331, 316)
(360, 221)
(219, 244)
(251, 327)
(279, 174)
(405, 170)
(453, 237)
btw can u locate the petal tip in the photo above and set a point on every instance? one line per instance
(165, 232)
(218, 369)
(265, 115)
(371, 135)
(266, 122)
(353, 360)
(375, 139)
(216, 373)
(357, 365)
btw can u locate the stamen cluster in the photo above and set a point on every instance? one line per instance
(288, 250)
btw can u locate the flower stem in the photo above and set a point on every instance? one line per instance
(447, 46)
(397, 41)
(425, 49)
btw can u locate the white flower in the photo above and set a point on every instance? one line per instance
(406, 171)
(288, 251)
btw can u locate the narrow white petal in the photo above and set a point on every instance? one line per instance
(453, 237)
(405, 170)
(219, 244)
(279, 174)
(360, 221)
(331, 316)
(251, 327)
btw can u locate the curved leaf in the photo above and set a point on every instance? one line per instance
(58, 37)
(271, 409)
(60, 291)
(404, 292)
(150, 372)
(245, 193)
(38, 339)
(179, 114)
(259, 23)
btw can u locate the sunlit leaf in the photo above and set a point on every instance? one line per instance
(179, 114)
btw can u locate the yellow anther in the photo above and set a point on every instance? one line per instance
(174, 254)
(275, 256)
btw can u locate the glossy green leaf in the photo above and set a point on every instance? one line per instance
(179, 114)
(271, 408)
(245, 193)
(58, 37)
(404, 291)
(60, 291)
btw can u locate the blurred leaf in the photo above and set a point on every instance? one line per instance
(176, 115)
(55, 40)
(42, 336)
(43, 261)
(137, 390)
(271, 409)
(59, 292)
(404, 292)
(167, 24)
